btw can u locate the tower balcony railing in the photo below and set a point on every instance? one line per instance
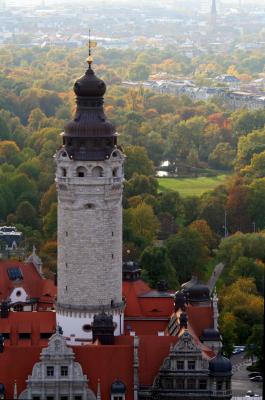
(89, 308)
(92, 179)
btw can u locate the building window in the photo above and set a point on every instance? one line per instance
(191, 384)
(202, 384)
(89, 206)
(117, 398)
(64, 172)
(219, 385)
(97, 172)
(64, 398)
(191, 364)
(64, 370)
(180, 364)
(180, 384)
(81, 172)
(50, 371)
(49, 398)
(78, 397)
(228, 385)
(6, 335)
(24, 335)
(87, 328)
(18, 293)
(167, 383)
(45, 335)
(36, 398)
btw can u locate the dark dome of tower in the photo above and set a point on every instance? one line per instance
(196, 291)
(103, 319)
(89, 85)
(210, 334)
(220, 366)
(118, 387)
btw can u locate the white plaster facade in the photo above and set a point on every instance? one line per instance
(89, 242)
(18, 295)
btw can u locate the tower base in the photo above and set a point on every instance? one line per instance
(77, 324)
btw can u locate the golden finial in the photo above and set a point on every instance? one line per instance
(91, 44)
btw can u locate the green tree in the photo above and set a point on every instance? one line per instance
(139, 72)
(137, 162)
(257, 202)
(228, 324)
(140, 184)
(156, 267)
(50, 222)
(26, 215)
(255, 345)
(9, 152)
(222, 157)
(249, 268)
(142, 221)
(187, 253)
(4, 130)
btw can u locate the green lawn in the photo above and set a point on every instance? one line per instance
(190, 186)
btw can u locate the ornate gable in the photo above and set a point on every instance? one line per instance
(57, 349)
(186, 344)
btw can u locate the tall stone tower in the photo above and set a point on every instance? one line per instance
(89, 180)
(213, 14)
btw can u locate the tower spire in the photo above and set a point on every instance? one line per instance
(89, 58)
(213, 13)
(91, 44)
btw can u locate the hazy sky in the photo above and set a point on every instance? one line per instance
(261, 2)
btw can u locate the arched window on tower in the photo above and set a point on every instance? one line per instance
(115, 172)
(97, 172)
(64, 172)
(81, 172)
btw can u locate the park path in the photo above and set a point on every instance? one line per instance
(215, 276)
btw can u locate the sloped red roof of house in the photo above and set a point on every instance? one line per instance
(33, 283)
(200, 317)
(35, 322)
(16, 363)
(108, 363)
(138, 304)
(152, 351)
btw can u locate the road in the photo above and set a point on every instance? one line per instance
(240, 380)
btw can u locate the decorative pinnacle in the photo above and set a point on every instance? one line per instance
(91, 44)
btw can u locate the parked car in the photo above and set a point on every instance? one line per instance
(252, 374)
(257, 378)
(249, 393)
(238, 349)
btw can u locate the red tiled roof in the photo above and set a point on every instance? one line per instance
(107, 363)
(200, 317)
(137, 306)
(32, 282)
(16, 363)
(152, 351)
(27, 322)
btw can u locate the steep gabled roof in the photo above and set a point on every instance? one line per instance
(33, 283)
